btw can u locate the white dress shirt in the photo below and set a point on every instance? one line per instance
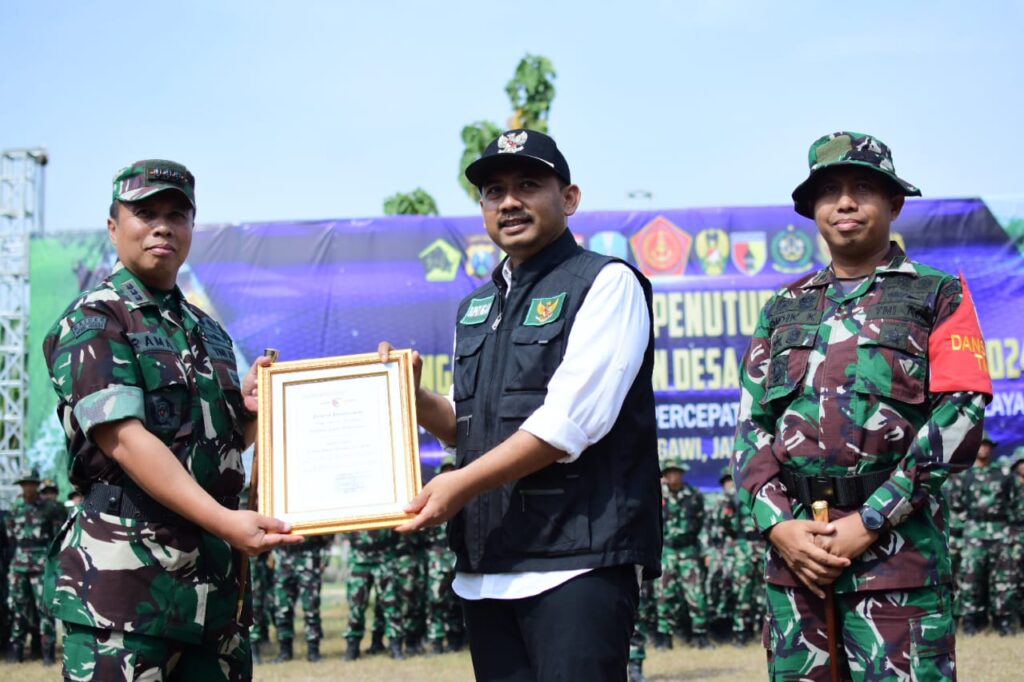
(603, 355)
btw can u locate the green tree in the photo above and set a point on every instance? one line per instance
(530, 92)
(416, 202)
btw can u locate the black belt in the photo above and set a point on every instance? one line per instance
(843, 492)
(131, 502)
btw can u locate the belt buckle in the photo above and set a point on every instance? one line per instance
(821, 488)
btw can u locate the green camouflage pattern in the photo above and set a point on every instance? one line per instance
(444, 614)
(116, 656)
(6, 550)
(846, 148)
(31, 526)
(646, 622)
(720, 533)
(957, 519)
(891, 635)
(402, 586)
(1017, 543)
(367, 568)
(145, 178)
(746, 561)
(262, 579)
(298, 576)
(120, 351)
(681, 585)
(988, 575)
(837, 383)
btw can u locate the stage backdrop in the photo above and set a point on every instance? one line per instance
(314, 289)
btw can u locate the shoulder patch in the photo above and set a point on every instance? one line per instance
(89, 323)
(544, 310)
(478, 310)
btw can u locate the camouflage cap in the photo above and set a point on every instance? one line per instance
(145, 178)
(446, 461)
(27, 475)
(725, 473)
(674, 463)
(845, 148)
(522, 143)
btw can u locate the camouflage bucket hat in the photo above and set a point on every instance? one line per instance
(674, 463)
(847, 149)
(28, 475)
(145, 178)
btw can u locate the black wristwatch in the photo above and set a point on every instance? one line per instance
(871, 519)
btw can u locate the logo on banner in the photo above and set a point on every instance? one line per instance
(440, 261)
(712, 247)
(610, 243)
(661, 249)
(792, 250)
(749, 251)
(481, 256)
(544, 310)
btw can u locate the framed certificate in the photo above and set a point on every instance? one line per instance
(338, 442)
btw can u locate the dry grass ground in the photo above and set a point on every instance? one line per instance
(986, 658)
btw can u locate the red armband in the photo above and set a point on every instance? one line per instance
(956, 351)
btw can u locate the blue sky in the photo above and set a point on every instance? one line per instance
(308, 110)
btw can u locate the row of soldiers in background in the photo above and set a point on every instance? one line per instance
(987, 541)
(711, 584)
(410, 576)
(26, 532)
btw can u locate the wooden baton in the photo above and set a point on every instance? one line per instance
(820, 511)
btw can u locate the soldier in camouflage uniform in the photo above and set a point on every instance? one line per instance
(299, 575)
(145, 575)
(853, 393)
(444, 615)
(368, 550)
(646, 622)
(746, 564)
(957, 519)
(988, 574)
(681, 586)
(720, 531)
(261, 576)
(31, 525)
(1017, 529)
(397, 595)
(6, 552)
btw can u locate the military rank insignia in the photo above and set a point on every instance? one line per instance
(544, 310)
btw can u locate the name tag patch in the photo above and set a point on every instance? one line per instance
(544, 310)
(148, 342)
(478, 311)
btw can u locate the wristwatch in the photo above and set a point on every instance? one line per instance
(871, 519)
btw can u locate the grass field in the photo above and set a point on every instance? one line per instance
(985, 658)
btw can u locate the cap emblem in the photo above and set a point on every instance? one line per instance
(510, 143)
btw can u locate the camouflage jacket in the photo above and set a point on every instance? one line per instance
(30, 528)
(838, 383)
(985, 499)
(721, 522)
(370, 546)
(1017, 505)
(121, 351)
(684, 516)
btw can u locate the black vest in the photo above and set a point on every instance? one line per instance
(602, 509)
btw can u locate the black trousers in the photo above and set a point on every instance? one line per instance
(577, 631)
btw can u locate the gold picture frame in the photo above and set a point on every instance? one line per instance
(338, 445)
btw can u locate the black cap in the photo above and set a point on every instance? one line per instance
(520, 143)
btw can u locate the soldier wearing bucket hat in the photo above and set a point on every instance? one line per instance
(548, 441)
(30, 526)
(853, 393)
(156, 418)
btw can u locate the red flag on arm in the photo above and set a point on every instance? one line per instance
(956, 351)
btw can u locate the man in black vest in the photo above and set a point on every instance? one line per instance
(555, 501)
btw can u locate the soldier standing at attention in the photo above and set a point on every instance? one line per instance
(721, 535)
(261, 574)
(987, 575)
(31, 524)
(367, 551)
(444, 615)
(682, 564)
(1017, 531)
(156, 419)
(746, 564)
(299, 575)
(853, 393)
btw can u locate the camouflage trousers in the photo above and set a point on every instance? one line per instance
(398, 594)
(885, 635)
(261, 577)
(361, 579)
(416, 617)
(646, 621)
(988, 578)
(680, 590)
(748, 585)
(298, 576)
(718, 586)
(444, 613)
(25, 605)
(956, 543)
(109, 655)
